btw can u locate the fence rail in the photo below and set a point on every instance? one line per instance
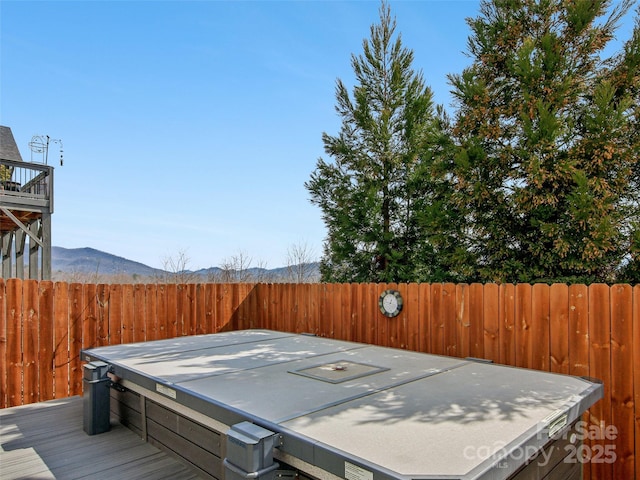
(579, 330)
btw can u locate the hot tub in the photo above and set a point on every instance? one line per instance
(311, 407)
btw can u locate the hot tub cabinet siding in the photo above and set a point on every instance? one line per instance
(197, 445)
(347, 410)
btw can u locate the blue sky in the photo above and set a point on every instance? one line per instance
(191, 126)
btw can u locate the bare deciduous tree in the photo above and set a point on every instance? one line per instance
(300, 263)
(176, 269)
(235, 269)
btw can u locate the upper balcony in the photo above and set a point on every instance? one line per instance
(26, 186)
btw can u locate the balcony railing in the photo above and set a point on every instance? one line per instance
(26, 183)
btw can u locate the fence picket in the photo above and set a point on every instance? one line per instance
(559, 328)
(115, 314)
(579, 330)
(30, 341)
(102, 315)
(335, 302)
(463, 319)
(412, 312)
(190, 317)
(635, 344)
(579, 344)
(128, 314)
(306, 306)
(14, 342)
(372, 312)
(382, 322)
(450, 333)
(314, 306)
(182, 311)
(30, 347)
(476, 329)
(436, 327)
(171, 292)
(151, 312)
(523, 325)
(45, 340)
(425, 318)
(356, 311)
(61, 330)
(368, 312)
(209, 307)
(76, 321)
(345, 312)
(89, 316)
(296, 309)
(393, 324)
(540, 327)
(507, 318)
(600, 367)
(621, 382)
(491, 322)
(3, 345)
(246, 308)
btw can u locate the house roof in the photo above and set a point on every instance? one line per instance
(8, 148)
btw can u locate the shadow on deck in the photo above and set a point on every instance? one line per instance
(46, 441)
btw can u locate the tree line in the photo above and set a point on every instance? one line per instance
(534, 177)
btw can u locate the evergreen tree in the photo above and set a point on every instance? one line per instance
(547, 136)
(367, 194)
(626, 79)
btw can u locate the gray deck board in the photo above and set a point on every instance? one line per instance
(46, 441)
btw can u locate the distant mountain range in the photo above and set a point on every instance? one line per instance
(91, 262)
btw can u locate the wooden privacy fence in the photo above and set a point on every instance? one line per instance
(585, 331)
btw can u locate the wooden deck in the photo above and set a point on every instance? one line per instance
(46, 441)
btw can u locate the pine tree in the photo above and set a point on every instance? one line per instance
(625, 76)
(366, 194)
(546, 146)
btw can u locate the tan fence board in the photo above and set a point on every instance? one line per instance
(151, 312)
(476, 320)
(139, 313)
(76, 321)
(30, 346)
(436, 320)
(579, 330)
(523, 325)
(183, 311)
(115, 314)
(171, 292)
(413, 322)
(600, 367)
(357, 311)
(507, 317)
(559, 328)
(45, 340)
(540, 327)
(61, 347)
(103, 304)
(635, 342)
(3, 345)
(14, 342)
(450, 332)
(491, 322)
(128, 314)
(463, 322)
(622, 401)
(89, 314)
